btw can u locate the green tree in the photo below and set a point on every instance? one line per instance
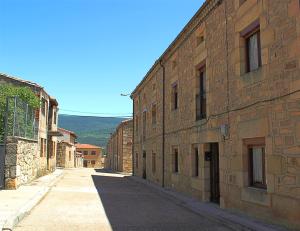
(24, 95)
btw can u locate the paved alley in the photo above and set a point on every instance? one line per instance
(88, 200)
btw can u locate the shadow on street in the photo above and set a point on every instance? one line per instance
(133, 206)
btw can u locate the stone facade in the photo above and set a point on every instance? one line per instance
(47, 119)
(244, 109)
(21, 162)
(119, 148)
(79, 160)
(92, 155)
(66, 151)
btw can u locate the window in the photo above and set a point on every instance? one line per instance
(196, 162)
(43, 107)
(137, 160)
(93, 153)
(144, 125)
(55, 117)
(174, 96)
(242, 2)
(175, 160)
(154, 114)
(153, 162)
(253, 53)
(93, 162)
(201, 96)
(199, 40)
(70, 156)
(257, 175)
(85, 152)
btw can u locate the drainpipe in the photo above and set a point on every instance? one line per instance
(133, 173)
(163, 125)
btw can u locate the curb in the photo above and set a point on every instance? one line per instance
(13, 220)
(232, 220)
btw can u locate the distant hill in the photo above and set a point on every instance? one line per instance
(90, 129)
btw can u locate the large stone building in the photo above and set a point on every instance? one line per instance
(66, 151)
(218, 115)
(119, 148)
(27, 158)
(92, 155)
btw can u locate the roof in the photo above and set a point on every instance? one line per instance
(53, 101)
(67, 131)
(87, 146)
(204, 10)
(28, 83)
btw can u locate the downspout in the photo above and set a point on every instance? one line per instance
(163, 125)
(133, 118)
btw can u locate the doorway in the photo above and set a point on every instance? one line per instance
(214, 174)
(144, 165)
(85, 163)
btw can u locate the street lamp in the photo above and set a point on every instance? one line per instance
(125, 94)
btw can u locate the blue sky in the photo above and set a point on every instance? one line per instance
(87, 52)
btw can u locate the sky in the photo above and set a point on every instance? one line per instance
(86, 53)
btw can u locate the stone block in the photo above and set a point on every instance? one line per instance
(293, 8)
(267, 37)
(256, 196)
(288, 180)
(274, 164)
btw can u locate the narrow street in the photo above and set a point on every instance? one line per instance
(88, 200)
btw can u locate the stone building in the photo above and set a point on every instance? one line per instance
(66, 151)
(119, 148)
(27, 159)
(92, 155)
(217, 115)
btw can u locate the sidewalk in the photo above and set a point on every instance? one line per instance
(212, 211)
(15, 204)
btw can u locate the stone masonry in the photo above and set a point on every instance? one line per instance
(21, 162)
(119, 148)
(244, 109)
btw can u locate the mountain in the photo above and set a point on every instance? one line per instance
(90, 129)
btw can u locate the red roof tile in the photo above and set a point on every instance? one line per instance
(86, 146)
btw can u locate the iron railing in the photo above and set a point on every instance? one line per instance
(19, 119)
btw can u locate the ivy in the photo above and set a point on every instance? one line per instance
(25, 95)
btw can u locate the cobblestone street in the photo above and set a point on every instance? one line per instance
(88, 200)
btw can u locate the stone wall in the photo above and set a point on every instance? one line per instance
(263, 104)
(21, 162)
(119, 148)
(65, 155)
(127, 147)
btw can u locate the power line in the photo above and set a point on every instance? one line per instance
(98, 113)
